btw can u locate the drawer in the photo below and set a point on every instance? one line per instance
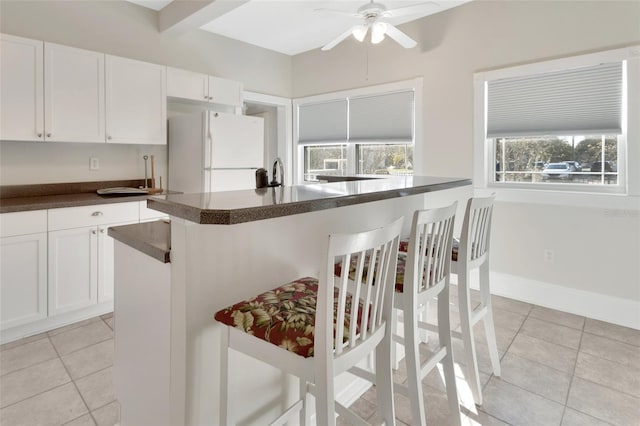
(149, 214)
(100, 214)
(23, 223)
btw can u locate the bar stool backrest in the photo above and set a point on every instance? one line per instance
(476, 231)
(370, 301)
(432, 235)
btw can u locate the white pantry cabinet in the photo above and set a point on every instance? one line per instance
(23, 268)
(81, 254)
(21, 89)
(135, 101)
(50, 92)
(194, 86)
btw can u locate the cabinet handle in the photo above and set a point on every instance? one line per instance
(206, 97)
(97, 214)
(93, 232)
(48, 135)
(102, 230)
(109, 137)
(210, 98)
(39, 135)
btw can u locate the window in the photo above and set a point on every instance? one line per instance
(558, 125)
(365, 131)
(557, 159)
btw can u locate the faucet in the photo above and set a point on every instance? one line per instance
(274, 181)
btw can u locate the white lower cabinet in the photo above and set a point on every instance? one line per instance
(105, 263)
(57, 265)
(80, 268)
(73, 269)
(23, 268)
(23, 279)
(81, 258)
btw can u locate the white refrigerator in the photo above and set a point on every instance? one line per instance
(214, 151)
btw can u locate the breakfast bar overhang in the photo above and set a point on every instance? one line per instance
(224, 247)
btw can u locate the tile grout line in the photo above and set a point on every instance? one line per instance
(28, 366)
(480, 408)
(573, 373)
(573, 376)
(520, 387)
(73, 381)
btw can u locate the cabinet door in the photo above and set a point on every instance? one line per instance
(73, 269)
(187, 85)
(226, 92)
(23, 279)
(136, 102)
(74, 94)
(105, 263)
(21, 89)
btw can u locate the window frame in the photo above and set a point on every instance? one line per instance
(628, 187)
(381, 89)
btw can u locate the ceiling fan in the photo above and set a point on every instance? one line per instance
(373, 17)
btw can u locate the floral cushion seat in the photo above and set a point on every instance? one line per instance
(455, 247)
(284, 316)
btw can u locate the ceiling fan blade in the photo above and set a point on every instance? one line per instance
(401, 38)
(415, 9)
(337, 12)
(338, 39)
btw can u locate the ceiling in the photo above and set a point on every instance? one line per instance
(291, 26)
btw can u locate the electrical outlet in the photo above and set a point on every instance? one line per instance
(94, 163)
(548, 255)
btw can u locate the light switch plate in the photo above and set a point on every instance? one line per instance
(94, 163)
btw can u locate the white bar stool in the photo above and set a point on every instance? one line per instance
(473, 252)
(315, 330)
(426, 277)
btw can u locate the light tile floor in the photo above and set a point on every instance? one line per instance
(557, 369)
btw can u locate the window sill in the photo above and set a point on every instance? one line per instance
(565, 197)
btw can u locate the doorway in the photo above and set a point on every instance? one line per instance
(277, 114)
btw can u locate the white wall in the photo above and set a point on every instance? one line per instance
(596, 248)
(128, 30)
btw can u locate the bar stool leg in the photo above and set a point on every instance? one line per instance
(487, 320)
(412, 357)
(466, 325)
(223, 409)
(305, 417)
(395, 359)
(444, 334)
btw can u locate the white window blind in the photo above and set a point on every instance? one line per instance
(382, 118)
(577, 101)
(323, 123)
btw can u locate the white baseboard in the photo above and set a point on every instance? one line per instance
(588, 304)
(50, 323)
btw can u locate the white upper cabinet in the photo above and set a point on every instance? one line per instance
(226, 92)
(21, 89)
(50, 92)
(187, 85)
(194, 86)
(136, 102)
(73, 94)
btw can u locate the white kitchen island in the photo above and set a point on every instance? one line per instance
(225, 247)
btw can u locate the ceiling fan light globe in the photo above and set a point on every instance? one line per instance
(360, 32)
(378, 31)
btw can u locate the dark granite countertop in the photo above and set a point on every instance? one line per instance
(18, 198)
(232, 207)
(151, 238)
